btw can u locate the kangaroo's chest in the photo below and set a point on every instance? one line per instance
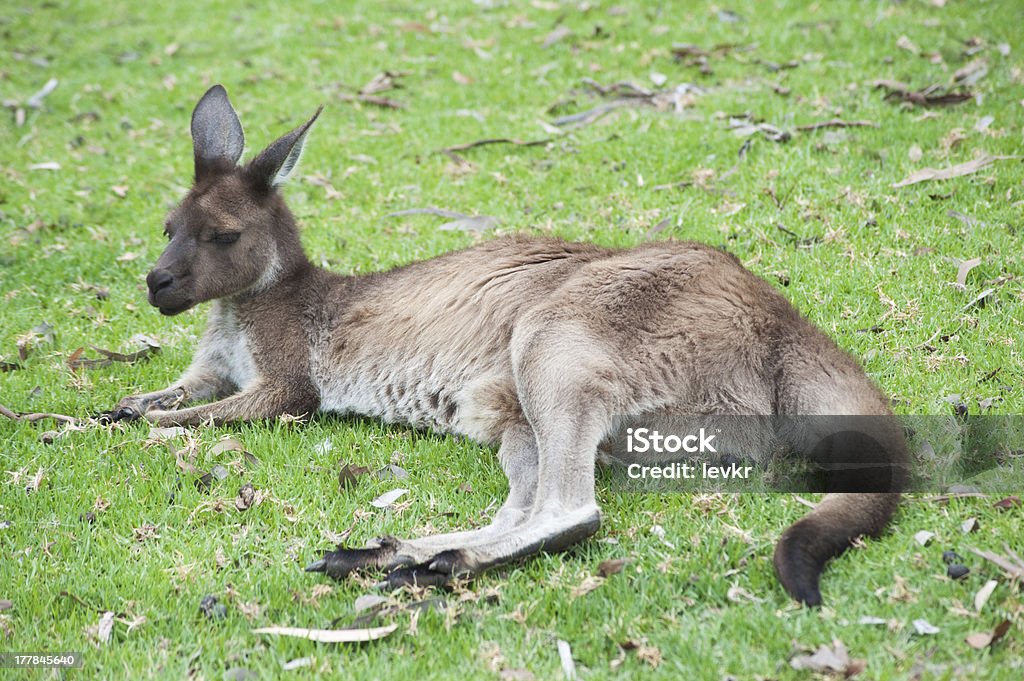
(228, 348)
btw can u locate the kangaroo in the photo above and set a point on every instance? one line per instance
(549, 350)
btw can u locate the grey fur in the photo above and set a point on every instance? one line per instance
(546, 348)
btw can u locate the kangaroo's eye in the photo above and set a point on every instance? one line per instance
(225, 237)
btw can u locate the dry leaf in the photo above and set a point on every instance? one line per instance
(829, 659)
(984, 593)
(77, 361)
(439, 212)
(835, 123)
(983, 640)
(228, 444)
(349, 474)
(979, 641)
(930, 96)
(925, 628)
(37, 479)
(612, 566)
(248, 496)
(388, 498)
(738, 594)
(36, 100)
(645, 652)
(965, 267)
(490, 655)
(382, 82)
(927, 174)
(297, 663)
(980, 300)
(971, 72)
(452, 152)
(145, 532)
(392, 472)
(565, 656)
(168, 433)
(556, 36)
(102, 630)
(1007, 503)
(905, 43)
(330, 635)
(476, 224)
(367, 601)
(589, 583)
(924, 537)
(1011, 563)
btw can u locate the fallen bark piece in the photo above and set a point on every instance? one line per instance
(32, 418)
(76, 360)
(330, 635)
(836, 123)
(928, 174)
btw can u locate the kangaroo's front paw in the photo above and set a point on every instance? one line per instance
(136, 406)
(122, 412)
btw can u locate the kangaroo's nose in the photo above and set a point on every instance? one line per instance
(158, 280)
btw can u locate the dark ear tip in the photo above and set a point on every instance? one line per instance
(215, 91)
(316, 115)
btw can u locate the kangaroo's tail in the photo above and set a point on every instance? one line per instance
(826, 532)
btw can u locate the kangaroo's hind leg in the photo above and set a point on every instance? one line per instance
(518, 457)
(570, 406)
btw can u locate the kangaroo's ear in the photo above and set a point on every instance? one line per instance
(276, 162)
(217, 138)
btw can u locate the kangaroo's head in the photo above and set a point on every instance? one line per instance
(232, 233)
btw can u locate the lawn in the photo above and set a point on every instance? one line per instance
(644, 121)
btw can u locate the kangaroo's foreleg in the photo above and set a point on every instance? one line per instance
(199, 383)
(261, 400)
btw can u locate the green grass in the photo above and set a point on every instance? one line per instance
(129, 74)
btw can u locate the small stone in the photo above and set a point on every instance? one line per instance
(212, 609)
(957, 571)
(949, 557)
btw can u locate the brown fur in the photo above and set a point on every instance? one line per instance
(547, 348)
